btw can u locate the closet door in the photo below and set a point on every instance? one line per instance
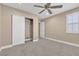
(18, 29)
(42, 29)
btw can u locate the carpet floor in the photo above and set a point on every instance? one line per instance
(43, 47)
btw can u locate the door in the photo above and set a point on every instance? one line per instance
(18, 29)
(27, 29)
(42, 29)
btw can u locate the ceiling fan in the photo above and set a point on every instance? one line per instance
(48, 7)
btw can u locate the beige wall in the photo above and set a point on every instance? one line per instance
(56, 28)
(0, 26)
(6, 23)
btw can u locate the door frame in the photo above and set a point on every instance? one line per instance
(12, 27)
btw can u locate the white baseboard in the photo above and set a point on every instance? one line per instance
(0, 49)
(4, 47)
(27, 39)
(60, 41)
(35, 40)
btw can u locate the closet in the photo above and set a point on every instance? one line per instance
(28, 29)
(22, 29)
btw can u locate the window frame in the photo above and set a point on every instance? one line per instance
(76, 15)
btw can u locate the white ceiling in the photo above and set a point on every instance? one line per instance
(30, 8)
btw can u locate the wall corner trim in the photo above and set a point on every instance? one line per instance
(64, 42)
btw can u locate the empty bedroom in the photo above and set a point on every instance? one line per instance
(39, 29)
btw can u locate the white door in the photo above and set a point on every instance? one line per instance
(18, 29)
(42, 29)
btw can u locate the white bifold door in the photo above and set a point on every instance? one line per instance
(18, 30)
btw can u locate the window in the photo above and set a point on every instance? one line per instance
(72, 22)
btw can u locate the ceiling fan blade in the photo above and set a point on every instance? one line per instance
(58, 6)
(49, 11)
(41, 11)
(48, 4)
(38, 6)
